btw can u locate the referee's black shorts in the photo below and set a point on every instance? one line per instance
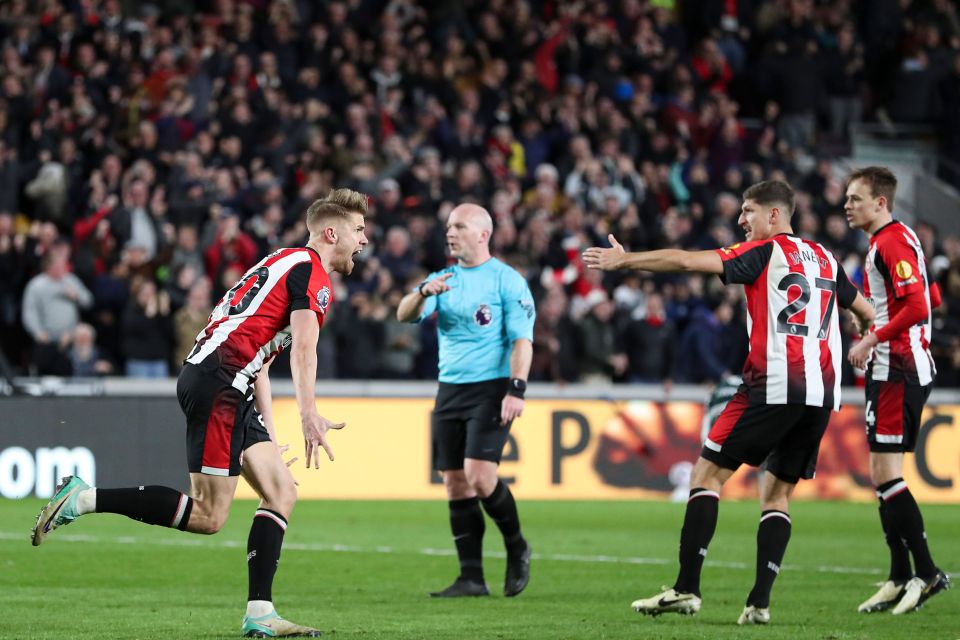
(466, 423)
(786, 437)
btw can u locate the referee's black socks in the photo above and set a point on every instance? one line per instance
(908, 523)
(467, 526)
(501, 506)
(699, 523)
(161, 506)
(773, 534)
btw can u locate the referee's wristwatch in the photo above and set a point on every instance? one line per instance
(420, 289)
(517, 388)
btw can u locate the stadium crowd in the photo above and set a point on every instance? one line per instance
(152, 152)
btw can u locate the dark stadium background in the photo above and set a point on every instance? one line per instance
(178, 142)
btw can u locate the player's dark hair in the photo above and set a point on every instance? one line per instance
(880, 180)
(771, 192)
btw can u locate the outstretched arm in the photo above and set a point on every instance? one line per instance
(663, 260)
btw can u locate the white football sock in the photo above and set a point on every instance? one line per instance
(87, 501)
(257, 608)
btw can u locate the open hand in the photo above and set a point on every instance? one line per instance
(605, 259)
(315, 429)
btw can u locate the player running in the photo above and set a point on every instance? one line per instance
(280, 302)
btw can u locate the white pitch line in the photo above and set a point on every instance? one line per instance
(427, 551)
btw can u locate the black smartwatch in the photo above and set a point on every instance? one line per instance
(517, 388)
(420, 289)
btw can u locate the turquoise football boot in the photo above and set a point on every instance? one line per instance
(61, 510)
(273, 626)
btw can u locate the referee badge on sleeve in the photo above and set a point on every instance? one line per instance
(527, 306)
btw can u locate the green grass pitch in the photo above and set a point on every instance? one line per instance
(363, 569)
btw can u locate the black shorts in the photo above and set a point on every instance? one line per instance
(466, 423)
(893, 414)
(222, 422)
(784, 436)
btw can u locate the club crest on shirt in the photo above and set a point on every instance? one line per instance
(323, 299)
(483, 315)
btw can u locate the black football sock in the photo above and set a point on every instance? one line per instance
(501, 506)
(900, 569)
(467, 526)
(699, 523)
(773, 534)
(161, 506)
(263, 553)
(906, 518)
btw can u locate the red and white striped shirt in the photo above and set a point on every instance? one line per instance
(251, 323)
(895, 269)
(793, 287)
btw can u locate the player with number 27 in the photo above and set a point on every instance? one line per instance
(791, 382)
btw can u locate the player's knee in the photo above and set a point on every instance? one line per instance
(777, 503)
(884, 468)
(208, 525)
(481, 483)
(457, 485)
(707, 475)
(880, 476)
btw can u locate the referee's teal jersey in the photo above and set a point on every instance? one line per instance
(485, 310)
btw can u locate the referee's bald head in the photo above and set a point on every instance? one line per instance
(476, 216)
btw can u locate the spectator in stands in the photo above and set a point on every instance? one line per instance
(190, 319)
(644, 119)
(401, 342)
(85, 358)
(52, 303)
(649, 342)
(600, 356)
(705, 356)
(147, 332)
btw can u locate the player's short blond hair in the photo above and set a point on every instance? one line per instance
(336, 205)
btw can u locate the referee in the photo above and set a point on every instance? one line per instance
(485, 325)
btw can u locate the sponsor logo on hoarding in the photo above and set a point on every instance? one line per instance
(24, 473)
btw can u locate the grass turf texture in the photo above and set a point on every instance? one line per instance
(363, 569)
